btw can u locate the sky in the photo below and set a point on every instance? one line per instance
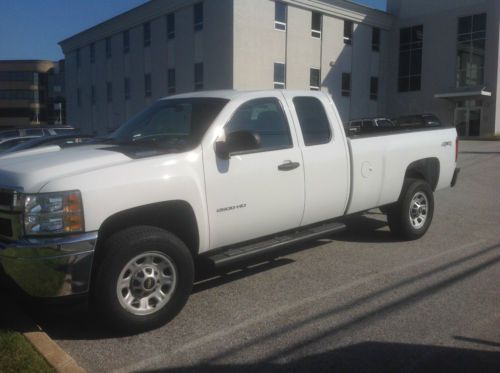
(31, 29)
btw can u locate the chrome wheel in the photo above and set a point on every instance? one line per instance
(147, 283)
(419, 208)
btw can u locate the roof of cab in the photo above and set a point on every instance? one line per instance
(233, 94)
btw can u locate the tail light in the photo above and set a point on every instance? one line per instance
(456, 150)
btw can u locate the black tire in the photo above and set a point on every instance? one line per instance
(117, 252)
(399, 215)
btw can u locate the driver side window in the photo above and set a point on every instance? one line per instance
(265, 117)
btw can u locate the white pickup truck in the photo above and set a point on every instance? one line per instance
(224, 175)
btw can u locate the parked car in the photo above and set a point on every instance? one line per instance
(369, 125)
(9, 143)
(222, 175)
(35, 131)
(418, 121)
(61, 140)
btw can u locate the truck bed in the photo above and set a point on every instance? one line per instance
(379, 163)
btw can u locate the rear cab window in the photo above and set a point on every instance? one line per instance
(313, 120)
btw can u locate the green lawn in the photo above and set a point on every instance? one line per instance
(18, 355)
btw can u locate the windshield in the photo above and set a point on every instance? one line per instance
(176, 124)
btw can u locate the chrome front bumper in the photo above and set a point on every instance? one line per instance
(49, 268)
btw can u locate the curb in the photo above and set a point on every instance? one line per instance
(52, 353)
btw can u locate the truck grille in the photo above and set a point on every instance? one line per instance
(6, 228)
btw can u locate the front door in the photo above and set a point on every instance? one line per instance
(255, 193)
(468, 121)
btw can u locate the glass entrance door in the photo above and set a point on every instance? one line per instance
(474, 122)
(461, 121)
(468, 121)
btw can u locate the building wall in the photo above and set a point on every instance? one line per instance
(258, 46)
(212, 46)
(440, 20)
(23, 110)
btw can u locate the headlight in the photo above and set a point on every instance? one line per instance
(53, 213)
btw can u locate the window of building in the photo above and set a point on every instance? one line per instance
(78, 97)
(171, 83)
(147, 85)
(316, 25)
(126, 88)
(78, 61)
(109, 92)
(92, 95)
(171, 26)
(265, 117)
(313, 120)
(92, 53)
(24, 95)
(315, 79)
(279, 75)
(108, 48)
(373, 88)
(471, 46)
(280, 16)
(346, 84)
(126, 41)
(410, 58)
(146, 31)
(348, 32)
(198, 17)
(375, 39)
(19, 76)
(198, 76)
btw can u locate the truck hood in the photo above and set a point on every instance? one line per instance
(31, 170)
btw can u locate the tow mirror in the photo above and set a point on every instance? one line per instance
(236, 142)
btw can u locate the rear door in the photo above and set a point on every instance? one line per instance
(260, 192)
(325, 155)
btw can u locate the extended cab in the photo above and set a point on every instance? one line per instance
(224, 175)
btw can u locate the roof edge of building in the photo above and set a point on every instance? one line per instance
(155, 8)
(123, 21)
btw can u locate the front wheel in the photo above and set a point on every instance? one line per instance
(143, 279)
(411, 216)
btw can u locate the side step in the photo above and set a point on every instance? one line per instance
(238, 253)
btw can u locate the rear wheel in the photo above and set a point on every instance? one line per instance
(143, 279)
(411, 216)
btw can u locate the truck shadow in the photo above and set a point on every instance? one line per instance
(366, 228)
(370, 357)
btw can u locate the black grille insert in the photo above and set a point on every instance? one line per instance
(5, 228)
(6, 199)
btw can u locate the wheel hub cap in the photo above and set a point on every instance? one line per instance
(146, 283)
(418, 210)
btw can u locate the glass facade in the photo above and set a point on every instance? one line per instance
(411, 43)
(471, 39)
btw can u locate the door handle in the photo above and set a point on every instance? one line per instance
(288, 166)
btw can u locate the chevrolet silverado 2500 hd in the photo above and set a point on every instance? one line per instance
(224, 175)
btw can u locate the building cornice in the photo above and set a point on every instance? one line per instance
(347, 10)
(132, 18)
(155, 9)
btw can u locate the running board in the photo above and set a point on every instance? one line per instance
(236, 254)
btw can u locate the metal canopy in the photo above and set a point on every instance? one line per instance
(463, 94)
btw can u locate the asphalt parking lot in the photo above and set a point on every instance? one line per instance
(358, 301)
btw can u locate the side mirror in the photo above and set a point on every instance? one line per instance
(239, 141)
